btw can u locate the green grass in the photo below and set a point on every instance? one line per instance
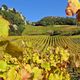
(44, 30)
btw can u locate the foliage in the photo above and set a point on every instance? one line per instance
(5, 7)
(4, 27)
(32, 54)
(53, 20)
(15, 18)
(34, 65)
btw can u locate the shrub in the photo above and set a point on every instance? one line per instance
(53, 33)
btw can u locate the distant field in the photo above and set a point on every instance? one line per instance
(45, 30)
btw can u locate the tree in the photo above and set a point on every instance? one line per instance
(5, 7)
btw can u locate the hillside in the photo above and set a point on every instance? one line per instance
(16, 19)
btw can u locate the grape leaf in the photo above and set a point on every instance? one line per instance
(3, 66)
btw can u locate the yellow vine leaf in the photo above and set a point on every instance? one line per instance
(4, 27)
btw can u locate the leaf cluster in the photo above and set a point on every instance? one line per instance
(48, 65)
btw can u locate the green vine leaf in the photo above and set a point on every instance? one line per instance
(37, 73)
(3, 66)
(45, 65)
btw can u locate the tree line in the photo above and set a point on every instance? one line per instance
(52, 20)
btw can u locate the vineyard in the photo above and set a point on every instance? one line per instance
(42, 42)
(47, 49)
(51, 57)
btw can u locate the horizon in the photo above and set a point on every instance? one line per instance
(35, 10)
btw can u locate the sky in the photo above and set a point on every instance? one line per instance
(34, 10)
